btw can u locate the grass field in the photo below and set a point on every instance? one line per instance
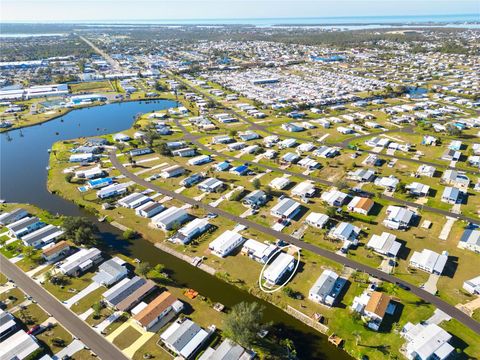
(126, 338)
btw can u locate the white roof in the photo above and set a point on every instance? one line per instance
(317, 218)
(18, 346)
(430, 340)
(225, 240)
(277, 267)
(430, 259)
(279, 182)
(193, 225)
(385, 243)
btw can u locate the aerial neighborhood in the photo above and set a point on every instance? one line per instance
(296, 193)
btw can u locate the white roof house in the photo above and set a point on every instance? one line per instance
(384, 244)
(327, 288)
(226, 243)
(317, 220)
(275, 271)
(80, 261)
(472, 286)
(304, 189)
(334, 197)
(210, 185)
(167, 219)
(19, 346)
(429, 261)
(346, 232)
(470, 240)
(388, 182)
(418, 189)
(258, 251)
(193, 229)
(279, 183)
(172, 171)
(286, 207)
(426, 341)
(184, 337)
(133, 200)
(398, 218)
(426, 170)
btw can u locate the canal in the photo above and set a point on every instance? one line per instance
(23, 178)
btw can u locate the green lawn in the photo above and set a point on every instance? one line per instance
(74, 285)
(127, 337)
(55, 332)
(12, 297)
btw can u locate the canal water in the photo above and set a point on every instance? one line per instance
(23, 177)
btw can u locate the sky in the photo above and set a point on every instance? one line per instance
(124, 10)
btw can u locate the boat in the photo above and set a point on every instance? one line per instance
(196, 260)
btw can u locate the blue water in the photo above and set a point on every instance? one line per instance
(24, 156)
(452, 19)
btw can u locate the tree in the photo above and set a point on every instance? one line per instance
(97, 308)
(330, 211)
(30, 253)
(243, 323)
(452, 130)
(163, 149)
(232, 133)
(158, 273)
(256, 184)
(130, 234)
(80, 230)
(143, 268)
(290, 348)
(268, 190)
(48, 276)
(236, 196)
(289, 291)
(69, 177)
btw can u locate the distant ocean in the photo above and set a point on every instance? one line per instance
(346, 20)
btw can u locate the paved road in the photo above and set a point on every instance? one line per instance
(190, 137)
(80, 329)
(115, 65)
(440, 304)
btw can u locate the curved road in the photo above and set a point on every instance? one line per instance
(440, 304)
(95, 341)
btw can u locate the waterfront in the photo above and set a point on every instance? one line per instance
(24, 159)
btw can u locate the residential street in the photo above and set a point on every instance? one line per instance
(80, 329)
(440, 304)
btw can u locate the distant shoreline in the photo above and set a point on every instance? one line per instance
(395, 20)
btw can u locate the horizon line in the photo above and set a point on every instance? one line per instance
(126, 21)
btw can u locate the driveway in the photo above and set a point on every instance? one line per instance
(77, 297)
(74, 347)
(431, 284)
(67, 318)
